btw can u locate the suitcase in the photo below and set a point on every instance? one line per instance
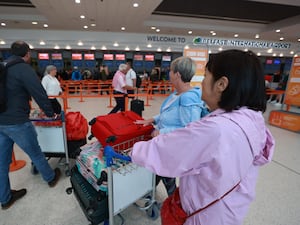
(93, 203)
(92, 166)
(121, 127)
(137, 106)
(74, 147)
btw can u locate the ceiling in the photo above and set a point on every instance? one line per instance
(172, 17)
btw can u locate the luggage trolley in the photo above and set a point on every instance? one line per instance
(140, 182)
(51, 135)
(126, 182)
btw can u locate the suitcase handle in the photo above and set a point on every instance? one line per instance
(110, 153)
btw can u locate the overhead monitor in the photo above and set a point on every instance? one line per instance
(89, 56)
(166, 58)
(138, 57)
(43, 56)
(120, 57)
(108, 56)
(269, 61)
(76, 56)
(149, 57)
(56, 56)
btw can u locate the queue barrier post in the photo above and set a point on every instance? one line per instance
(16, 164)
(110, 98)
(80, 92)
(126, 102)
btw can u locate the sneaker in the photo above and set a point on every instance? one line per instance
(278, 104)
(53, 182)
(15, 195)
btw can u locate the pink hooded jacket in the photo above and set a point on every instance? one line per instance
(211, 156)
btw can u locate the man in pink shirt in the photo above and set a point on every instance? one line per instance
(218, 157)
(120, 88)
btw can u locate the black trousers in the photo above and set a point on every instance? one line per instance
(120, 102)
(55, 105)
(169, 183)
(130, 92)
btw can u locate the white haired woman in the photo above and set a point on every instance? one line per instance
(52, 87)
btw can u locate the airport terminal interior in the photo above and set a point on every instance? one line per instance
(90, 35)
(277, 199)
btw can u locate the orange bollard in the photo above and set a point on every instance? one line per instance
(81, 97)
(126, 103)
(110, 98)
(16, 164)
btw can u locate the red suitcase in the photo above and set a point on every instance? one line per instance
(121, 126)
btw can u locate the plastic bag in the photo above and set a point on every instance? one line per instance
(171, 211)
(76, 126)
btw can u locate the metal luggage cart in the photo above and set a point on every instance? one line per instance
(127, 182)
(51, 135)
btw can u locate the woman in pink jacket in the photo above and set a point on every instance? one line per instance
(217, 158)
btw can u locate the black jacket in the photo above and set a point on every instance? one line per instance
(22, 83)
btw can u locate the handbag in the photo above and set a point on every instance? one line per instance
(172, 212)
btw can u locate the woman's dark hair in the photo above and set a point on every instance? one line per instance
(246, 86)
(19, 48)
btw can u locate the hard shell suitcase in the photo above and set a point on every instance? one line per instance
(121, 126)
(92, 166)
(93, 203)
(137, 106)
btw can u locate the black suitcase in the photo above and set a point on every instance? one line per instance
(74, 147)
(93, 203)
(137, 106)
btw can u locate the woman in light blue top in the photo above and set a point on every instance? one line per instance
(180, 108)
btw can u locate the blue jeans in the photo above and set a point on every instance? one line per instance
(25, 136)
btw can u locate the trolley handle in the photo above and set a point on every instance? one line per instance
(110, 153)
(57, 117)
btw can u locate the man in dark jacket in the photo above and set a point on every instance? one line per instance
(22, 83)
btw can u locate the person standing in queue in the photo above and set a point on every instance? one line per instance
(120, 88)
(52, 87)
(217, 157)
(183, 106)
(15, 126)
(130, 78)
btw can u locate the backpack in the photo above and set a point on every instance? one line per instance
(138, 81)
(77, 75)
(3, 73)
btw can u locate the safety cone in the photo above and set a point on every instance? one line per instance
(16, 164)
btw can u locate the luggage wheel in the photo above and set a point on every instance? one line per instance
(67, 172)
(90, 211)
(69, 190)
(153, 211)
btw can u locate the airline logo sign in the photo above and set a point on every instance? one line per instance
(200, 56)
(240, 43)
(292, 94)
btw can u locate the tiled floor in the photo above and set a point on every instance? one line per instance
(278, 188)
